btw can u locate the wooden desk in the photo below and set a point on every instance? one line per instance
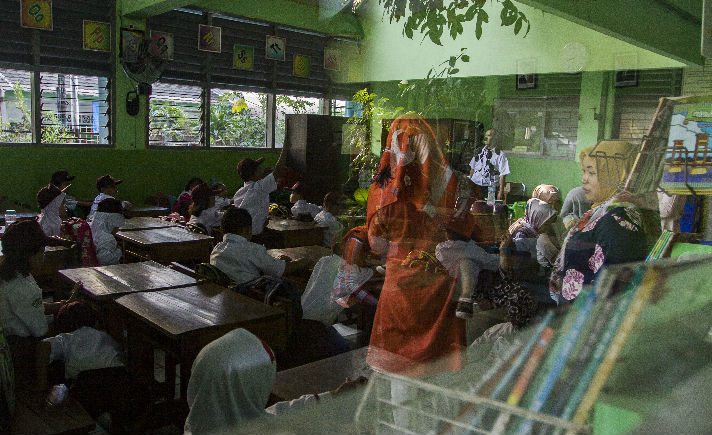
(34, 416)
(148, 211)
(320, 376)
(55, 258)
(165, 245)
(291, 233)
(107, 282)
(183, 320)
(310, 253)
(19, 215)
(145, 223)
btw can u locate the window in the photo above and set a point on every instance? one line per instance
(537, 127)
(237, 119)
(15, 103)
(345, 108)
(287, 104)
(174, 115)
(73, 109)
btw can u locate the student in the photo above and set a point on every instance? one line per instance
(62, 180)
(242, 260)
(203, 211)
(107, 219)
(230, 383)
(464, 260)
(222, 197)
(22, 310)
(253, 196)
(301, 207)
(106, 185)
(326, 218)
(52, 203)
(538, 220)
(184, 199)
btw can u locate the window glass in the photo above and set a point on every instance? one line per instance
(74, 109)
(237, 118)
(174, 115)
(537, 127)
(15, 108)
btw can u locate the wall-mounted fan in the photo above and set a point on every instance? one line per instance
(143, 60)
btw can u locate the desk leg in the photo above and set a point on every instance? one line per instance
(141, 361)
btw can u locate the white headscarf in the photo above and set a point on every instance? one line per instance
(49, 218)
(230, 382)
(104, 223)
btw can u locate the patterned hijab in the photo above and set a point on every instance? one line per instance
(547, 193)
(614, 160)
(230, 382)
(413, 168)
(536, 214)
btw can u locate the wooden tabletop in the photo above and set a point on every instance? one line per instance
(18, 216)
(147, 211)
(144, 223)
(34, 416)
(181, 311)
(320, 376)
(290, 225)
(119, 279)
(310, 253)
(161, 236)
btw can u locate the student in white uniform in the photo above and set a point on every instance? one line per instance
(327, 220)
(22, 310)
(301, 207)
(253, 196)
(230, 383)
(241, 259)
(63, 180)
(107, 187)
(107, 219)
(52, 203)
(203, 210)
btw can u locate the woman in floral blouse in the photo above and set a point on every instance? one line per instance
(615, 230)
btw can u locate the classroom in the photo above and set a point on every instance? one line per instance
(355, 216)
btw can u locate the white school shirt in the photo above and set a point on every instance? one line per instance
(85, 349)
(107, 248)
(302, 207)
(332, 226)
(481, 175)
(100, 197)
(243, 260)
(254, 197)
(210, 218)
(21, 307)
(49, 218)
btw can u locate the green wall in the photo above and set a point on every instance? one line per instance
(144, 172)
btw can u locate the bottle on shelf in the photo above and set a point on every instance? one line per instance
(491, 193)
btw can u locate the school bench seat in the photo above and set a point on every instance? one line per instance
(34, 416)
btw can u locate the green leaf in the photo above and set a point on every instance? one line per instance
(517, 26)
(408, 32)
(470, 13)
(465, 58)
(452, 60)
(509, 13)
(453, 71)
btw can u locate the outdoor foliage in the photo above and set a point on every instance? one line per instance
(432, 17)
(20, 131)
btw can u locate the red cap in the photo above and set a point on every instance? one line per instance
(106, 181)
(246, 167)
(47, 194)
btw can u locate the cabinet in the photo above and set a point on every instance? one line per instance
(316, 153)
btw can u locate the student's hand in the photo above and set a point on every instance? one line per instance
(285, 258)
(126, 205)
(350, 384)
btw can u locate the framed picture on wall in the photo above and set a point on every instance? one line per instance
(526, 81)
(626, 78)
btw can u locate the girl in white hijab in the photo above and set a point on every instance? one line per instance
(538, 217)
(109, 216)
(231, 380)
(51, 201)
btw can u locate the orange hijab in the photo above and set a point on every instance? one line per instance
(413, 168)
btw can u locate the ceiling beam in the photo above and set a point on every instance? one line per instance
(652, 25)
(149, 8)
